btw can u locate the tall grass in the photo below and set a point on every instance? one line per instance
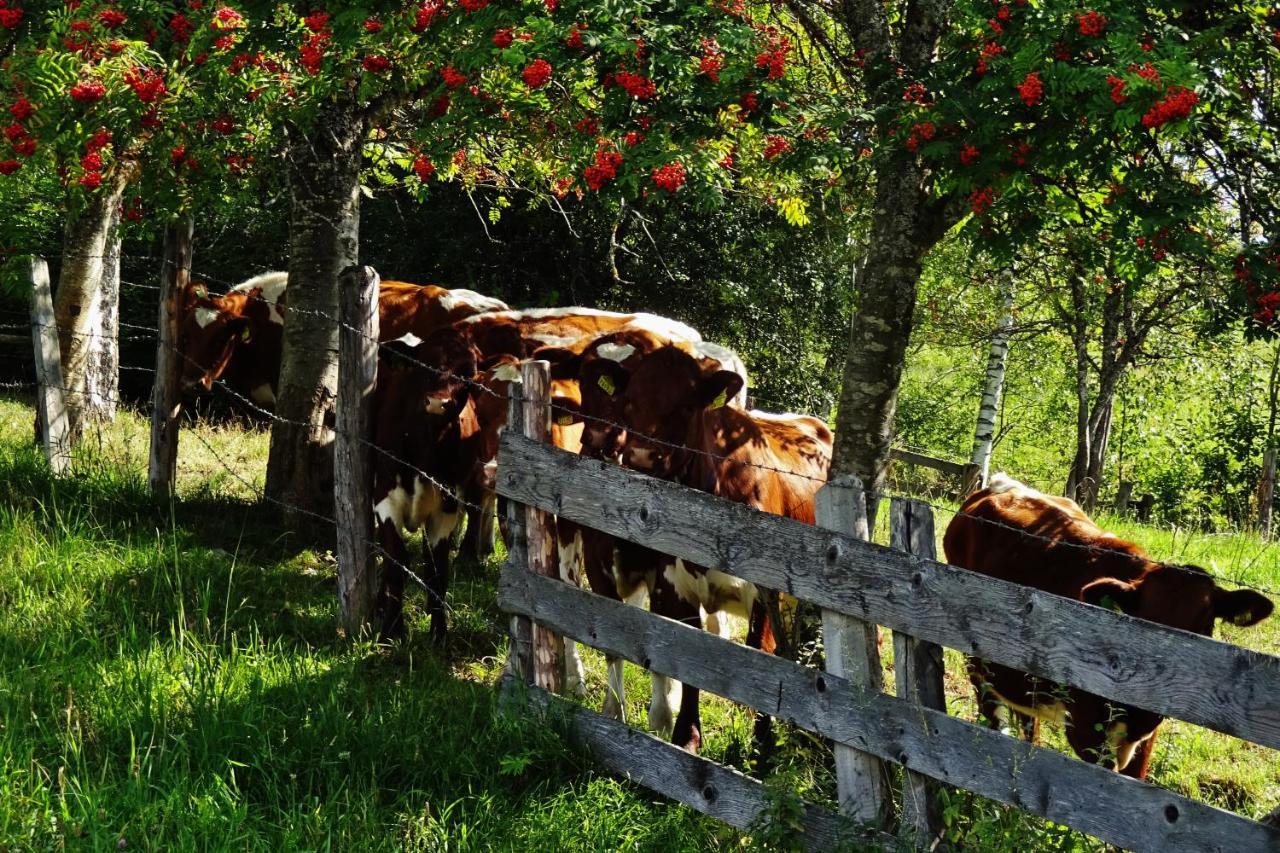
(172, 677)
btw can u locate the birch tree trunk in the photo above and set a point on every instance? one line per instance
(997, 361)
(87, 307)
(324, 228)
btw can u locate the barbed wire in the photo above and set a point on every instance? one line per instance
(517, 395)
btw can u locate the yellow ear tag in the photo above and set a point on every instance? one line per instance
(246, 336)
(720, 400)
(202, 292)
(606, 384)
(564, 420)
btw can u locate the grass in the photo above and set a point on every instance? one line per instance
(172, 677)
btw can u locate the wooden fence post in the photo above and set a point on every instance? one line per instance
(51, 405)
(353, 511)
(1124, 494)
(852, 653)
(166, 393)
(918, 672)
(547, 648)
(970, 479)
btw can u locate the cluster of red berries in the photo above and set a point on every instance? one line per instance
(423, 167)
(537, 74)
(775, 146)
(636, 85)
(146, 83)
(711, 61)
(670, 177)
(1177, 104)
(1031, 89)
(604, 169)
(88, 91)
(1091, 23)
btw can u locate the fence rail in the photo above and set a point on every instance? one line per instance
(1215, 684)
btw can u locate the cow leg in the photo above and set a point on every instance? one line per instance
(1140, 764)
(391, 591)
(764, 742)
(437, 580)
(597, 554)
(687, 730)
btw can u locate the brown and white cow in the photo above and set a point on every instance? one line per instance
(423, 427)
(616, 568)
(238, 337)
(1015, 533)
(681, 425)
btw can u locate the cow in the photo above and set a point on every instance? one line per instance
(621, 570)
(238, 337)
(680, 422)
(422, 427)
(1013, 532)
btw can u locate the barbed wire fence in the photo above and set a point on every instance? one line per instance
(146, 333)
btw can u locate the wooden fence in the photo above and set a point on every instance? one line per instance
(966, 475)
(857, 585)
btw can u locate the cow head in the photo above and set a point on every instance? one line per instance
(659, 399)
(210, 330)
(1183, 597)
(443, 369)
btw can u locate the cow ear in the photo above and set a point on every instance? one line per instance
(1112, 594)
(718, 389)
(1241, 607)
(565, 411)
(609, 376)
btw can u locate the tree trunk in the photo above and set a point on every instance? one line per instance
(1099, 439)
(324, 226)
(87, 307)
(881, 327)
(997, 361)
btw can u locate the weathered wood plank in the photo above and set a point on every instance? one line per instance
(548, 649)
(1113, 807)
(166, 393)
(955, 469)
(853, 653)
(1210, 683)
(353, 463)
(51, 404)
(519, 668)
(918, 675)
(701, 784)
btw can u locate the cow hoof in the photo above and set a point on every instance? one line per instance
(613, 709)
(575, 686)
(690, 743)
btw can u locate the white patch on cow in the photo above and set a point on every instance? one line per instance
(441, 524)
(205, 316)
(489, 482)
(1120, 746)
(615, 691)
(713, 590)
(273, 286)
(393, 508)
(409, 339)
(538, 314)
(421, 509)
(554, 340)
(436, 405)
(662, 705)
(462, 297)
(264, 395)
(673, 330)
(1002, 483)
(508, 373)
(570, 554)
(728, 360)
(615, 352)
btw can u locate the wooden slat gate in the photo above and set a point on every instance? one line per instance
(927, 604)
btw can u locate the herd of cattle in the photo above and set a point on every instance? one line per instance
(648, 393)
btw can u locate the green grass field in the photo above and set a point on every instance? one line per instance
(172, 677)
